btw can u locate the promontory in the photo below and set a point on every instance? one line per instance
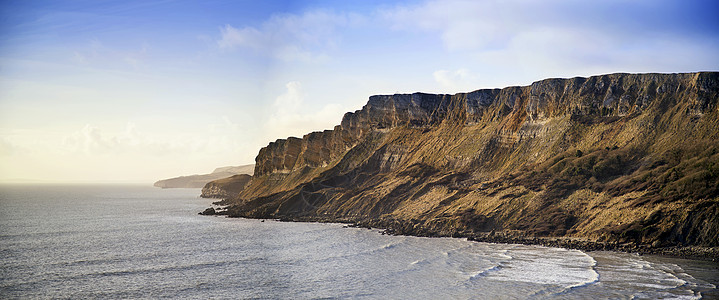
(622, 161)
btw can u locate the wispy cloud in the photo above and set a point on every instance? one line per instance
(289, 37)
(218, 138)
(6, 147)
(455, 81)
(460, 24)
(97, 53)
(289, 115)
(90, 140)
(563, 35)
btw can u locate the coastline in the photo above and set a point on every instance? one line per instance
(408, 228)
(560, 162)
(693, 252)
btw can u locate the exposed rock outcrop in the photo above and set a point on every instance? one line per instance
(208, 212)
(615, 159)
(226, 187)
(198, 181)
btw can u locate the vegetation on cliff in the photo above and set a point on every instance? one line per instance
(623, 159)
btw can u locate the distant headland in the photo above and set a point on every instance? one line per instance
(199, 181)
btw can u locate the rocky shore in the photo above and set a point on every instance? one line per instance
(410, 228)
(402, 229)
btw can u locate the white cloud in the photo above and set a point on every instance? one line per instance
(289, 37)
(462, 25)
(245, 37)
(493, 25)
(289, 116)
(563, 38)
(455, 81)
(131, 152)
(6, 147)
(224, 138)
(90, 140)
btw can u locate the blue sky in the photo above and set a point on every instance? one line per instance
(104, 91)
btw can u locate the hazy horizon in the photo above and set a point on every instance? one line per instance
(137, 91)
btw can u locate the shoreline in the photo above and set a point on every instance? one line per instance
(405, 228)
(691, 252)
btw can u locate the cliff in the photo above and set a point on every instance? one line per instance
(618, 159)
(199, 181)
(225, 187)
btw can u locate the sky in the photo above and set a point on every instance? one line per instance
(137, 91)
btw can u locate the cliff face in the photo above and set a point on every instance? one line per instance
(225, 187)
(624, 158)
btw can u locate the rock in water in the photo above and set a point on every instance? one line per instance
(208, 212)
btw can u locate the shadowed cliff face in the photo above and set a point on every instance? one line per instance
(225, 187)
(626, 158)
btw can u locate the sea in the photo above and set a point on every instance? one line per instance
(141, 242)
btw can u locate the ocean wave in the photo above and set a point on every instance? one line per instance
(391, 246)
(486, 272)
(155, 270)
(419, 262)
(579, 285)
(643, 278)
(388, 246)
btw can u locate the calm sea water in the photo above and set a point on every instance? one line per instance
(134, 242)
